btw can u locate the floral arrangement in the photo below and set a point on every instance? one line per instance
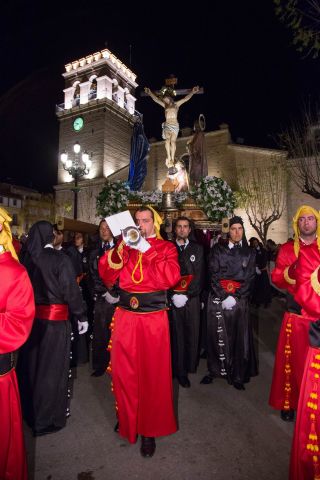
(155, 198)
(215, 197)
(212, 194)
(113, 198)
(180, 197)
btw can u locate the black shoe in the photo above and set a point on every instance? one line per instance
(184, 382)
(207, 379)
(287, 415)
(116, 427)
(98, 373)
(148, 446)
(238, 386)
(46, 430)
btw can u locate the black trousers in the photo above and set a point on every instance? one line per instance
(185, 330)
(103, 313)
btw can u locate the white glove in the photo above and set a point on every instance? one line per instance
(82, 327)
(228, 303)
(142, 245)
(258, 271)
(110, 299)
(179, 300)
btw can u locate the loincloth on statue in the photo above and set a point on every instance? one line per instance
(169, 128)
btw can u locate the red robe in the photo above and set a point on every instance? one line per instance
(293, 337)
(140, 355)
(305, 453)
(16, 317)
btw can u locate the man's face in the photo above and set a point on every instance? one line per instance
(182, 229)
(145, 222)
(58, 238)
(236, 232)
(105, 232)
(307, 225)
(78, 239)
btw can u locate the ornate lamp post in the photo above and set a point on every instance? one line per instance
(77, 168)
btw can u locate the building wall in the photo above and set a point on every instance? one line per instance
(106, 136)
(26, 206)
(246, 158)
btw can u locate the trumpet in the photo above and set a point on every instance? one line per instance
(131, 235)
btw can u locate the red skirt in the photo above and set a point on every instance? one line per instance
(141, 374)
(290, 357)
(13, 464)
(305, 453)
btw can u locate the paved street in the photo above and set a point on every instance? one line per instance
(224, 434)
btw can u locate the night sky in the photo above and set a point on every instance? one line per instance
(241, 55)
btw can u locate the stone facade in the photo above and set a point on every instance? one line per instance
(26, 206)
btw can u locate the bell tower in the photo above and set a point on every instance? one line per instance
(98, 112)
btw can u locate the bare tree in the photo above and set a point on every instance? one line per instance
(302, 142)
(302, 17)
(263, 195)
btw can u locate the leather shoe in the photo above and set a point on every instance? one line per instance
(287, 415)
(46, 430)
(97, 373)
(207, 379)
(238, 386)
(116, 427)
(184, 382)
(148, 446)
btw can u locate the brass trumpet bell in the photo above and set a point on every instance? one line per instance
(131, 235)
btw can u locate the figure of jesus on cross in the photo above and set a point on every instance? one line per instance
(170, 128)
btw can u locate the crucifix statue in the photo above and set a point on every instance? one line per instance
(170, 128)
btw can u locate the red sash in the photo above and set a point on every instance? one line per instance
(183, 284)
(53, 312)
(230, 286)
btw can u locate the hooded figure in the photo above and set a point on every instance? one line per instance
(230, 348)
(43, 364)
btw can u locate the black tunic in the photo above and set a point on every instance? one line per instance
(103, 311)
(230, 345)
(261, 290)
(185, 321)
(43, 364)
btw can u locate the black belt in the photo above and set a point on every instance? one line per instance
(143, 302)
(6, 363)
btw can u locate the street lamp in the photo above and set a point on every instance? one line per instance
(77, 168)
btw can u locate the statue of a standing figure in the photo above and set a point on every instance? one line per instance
(198, 165)
(170, 128)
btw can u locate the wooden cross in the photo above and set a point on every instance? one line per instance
(171, 82)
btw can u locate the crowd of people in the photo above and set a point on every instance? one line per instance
(153, 305)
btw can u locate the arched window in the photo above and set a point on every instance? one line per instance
(93, 87)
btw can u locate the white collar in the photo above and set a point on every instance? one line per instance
(49, 245)
(183, 244)
(231, 244)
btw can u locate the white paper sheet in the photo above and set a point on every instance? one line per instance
(119, 221)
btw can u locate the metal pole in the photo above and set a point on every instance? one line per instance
(75, 190)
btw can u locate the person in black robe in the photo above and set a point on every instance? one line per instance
(261, 294)
(79, 256)
(105, 301)
(185, 299)
(43, 363)
(230, 347)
